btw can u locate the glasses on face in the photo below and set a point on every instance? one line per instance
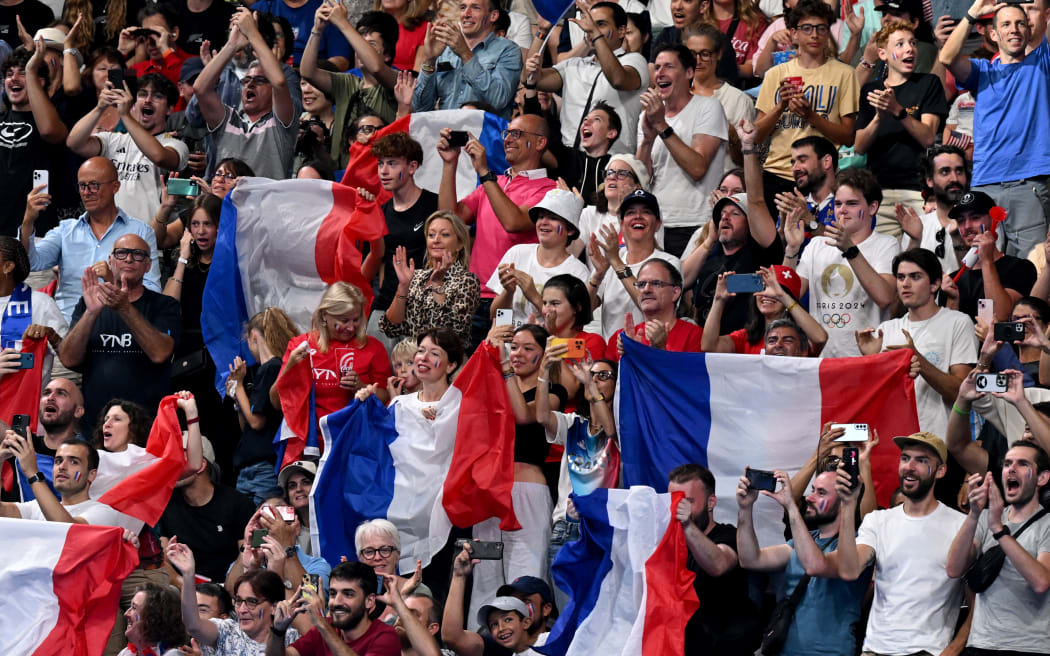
(385, 551)
(254, 80)
(704, 55)
(619, 173)
(228, 177)
(93, 187)
(941, 234)
(136, 254)
(516, 134)
(602, 375)
(655, 284)
(251, 602)
(368, 129)
(808, 29)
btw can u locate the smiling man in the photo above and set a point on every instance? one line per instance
(144, 151)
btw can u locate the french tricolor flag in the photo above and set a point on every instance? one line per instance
(62, 586)
(394, 463)
(631, 592)
(731, 411)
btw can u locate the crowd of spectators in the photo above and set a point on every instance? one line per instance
(797, 179)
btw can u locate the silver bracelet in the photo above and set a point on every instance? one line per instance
(542, 380)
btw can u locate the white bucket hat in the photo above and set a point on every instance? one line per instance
(561, 203)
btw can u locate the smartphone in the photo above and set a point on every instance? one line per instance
(287, 513)
(795, 81)
(26, 360)
(379, 584)
(182, 187)
(309, 587)
(41, 177)
(744, 283)
(760, 479)
(20, 425)
(851, 461)
(986, 311)
(458, 138)
(504, 317)
(992, 382)
(854, 432)
(482, 550)
(577, 347)
(116, 77)
(257, 537)
(1009, 331)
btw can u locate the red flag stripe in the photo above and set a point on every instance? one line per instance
(670, 599)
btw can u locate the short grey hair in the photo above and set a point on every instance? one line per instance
(380, 527)
(785, 322)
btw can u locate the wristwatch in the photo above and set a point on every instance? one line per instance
(851, 252)
(667, 133)
(289, 552)
(625, 273)
(488, 177)
(1001, 533)
(37, 478)
(901, 115)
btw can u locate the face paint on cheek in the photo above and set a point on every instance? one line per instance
(260, 613)
(528, 144)
(559, 228)
(437, 363)
(929, 471)
(76, 476)
(823, 504)
(536, 360)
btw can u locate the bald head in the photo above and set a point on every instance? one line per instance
(98, 185)
(129, 262)
(536, 124)
(100, 166)
(61, 405)
(131, 241)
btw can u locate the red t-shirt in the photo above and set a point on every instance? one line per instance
(170, 67)
(408, 42)
(741, 345)
(595, 344)
(683, 338)
(745, 39)
(379, 640)
(370, 362)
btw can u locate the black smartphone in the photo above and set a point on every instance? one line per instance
(482, 550)
(26, 360)
(379, 584)
(851, 461)
(760, 479)
(257, 537)
(1009, 331)
(20, 425)
(458, 138)
(116, 77)
(744, 283)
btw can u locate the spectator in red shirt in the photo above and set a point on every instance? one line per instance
(158, 53)
(659, 287)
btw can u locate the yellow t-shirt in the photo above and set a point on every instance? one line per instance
(831, 89)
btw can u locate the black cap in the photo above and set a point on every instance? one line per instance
(640, 196)
(973, 201)
(912, 7)
(527, 585)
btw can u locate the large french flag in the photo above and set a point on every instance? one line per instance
(731, 411)
(62, 586)
(393, 463)
(631, 592)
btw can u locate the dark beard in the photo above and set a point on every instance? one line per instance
(59, 424)
(948, 196)
(818, 519)
(920, 491)
(702, 520)
(351, 623)
(813, 181)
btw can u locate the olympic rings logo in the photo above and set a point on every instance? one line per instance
(837, 320)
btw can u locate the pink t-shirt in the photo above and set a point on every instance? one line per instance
(492, 240)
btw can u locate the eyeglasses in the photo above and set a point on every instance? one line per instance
(704, 55)
(368, 129)
(229, 177)
(619, 173)
(137, 254)
(939, 251)
(254, 80)
(655, 284)
(251, 602)
(808, 28)
(93, 187)
(516, 134)
(602, 375)
(384, 551)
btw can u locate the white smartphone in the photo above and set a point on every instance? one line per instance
(504, 317)
(854, 432)
(41, 177)
(986, 311)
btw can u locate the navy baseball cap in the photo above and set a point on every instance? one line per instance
(640, 196)
(527, 585)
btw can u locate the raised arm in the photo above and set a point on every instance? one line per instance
(283, 107)
(951, 55)
(163, 156)
(551, 361)
(751, 556)
(447, 195)
(712, 341)
(513, 218)
(179, 555)
(622, 78)
(50, 506)
(463, 642)
(371, 60)
(964, 547)
(204, 91)
(714, 559)
(853, 559)
(81, 139)
(48, 123)
(761, 225)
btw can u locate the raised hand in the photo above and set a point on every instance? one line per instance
(909, 221)
(405, 88)
(404, 267)
(869, 341)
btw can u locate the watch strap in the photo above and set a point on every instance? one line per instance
(851, 252)
(289, 552)
(1001, 533)
(667, 133)
(625, 273)
(488, 177)
(901, 115)
(37, 478)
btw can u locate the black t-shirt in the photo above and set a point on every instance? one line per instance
(1014, 273)
(212, 24)
(257, 445)
(211, 530)
(22, 151)
(34, 15)
(584, 172)
(530, 440)
(727, 621)
(114, 364)
(193, 280)
(894, 155)
(404, 229)
(746, 260)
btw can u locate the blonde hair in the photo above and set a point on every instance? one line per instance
(340, 298)
(406, 348)
(462, 233)
(745, 10)
(116, 13)
(276, 328)
(882, 37)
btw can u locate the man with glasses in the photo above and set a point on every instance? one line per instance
(812, 94)
(607, 74)
(499, 207)
(122, 335)
(659, 286)
(947, 174)
(262, 132)
(86, 241)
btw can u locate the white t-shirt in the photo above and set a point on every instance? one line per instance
(523, 257)
(616, 302)
(931, 225)
(140, 178)
(945, 339)
(837, 300)
(683, 202)
(916, 604)
(961, 113)
(45, 313)
(520, 31)
(232, 640)
(738, 107)
(577, 76)
(93, 512)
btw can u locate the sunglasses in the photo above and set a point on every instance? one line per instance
(941, 234)
(602, 375)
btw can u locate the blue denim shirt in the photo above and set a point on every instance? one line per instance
(490, 76)
(73, 247)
